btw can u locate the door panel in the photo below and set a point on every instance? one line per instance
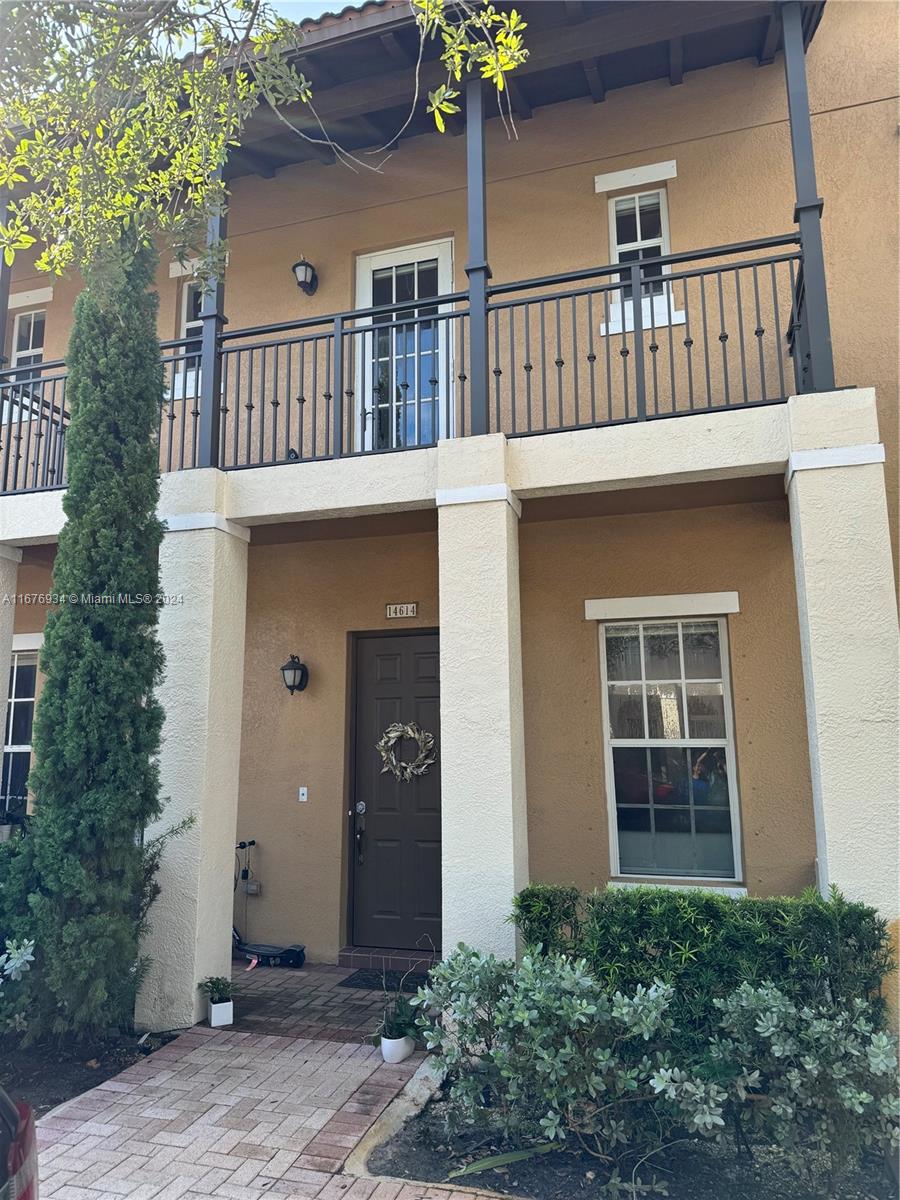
(397, 837)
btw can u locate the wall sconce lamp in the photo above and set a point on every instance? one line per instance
(305, 274)
(295, 674)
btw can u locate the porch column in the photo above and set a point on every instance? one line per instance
(10, 557)
(848, 635)
(483, 812)
(808, 211)
(477, 268)
(203, 563)
(213, 317)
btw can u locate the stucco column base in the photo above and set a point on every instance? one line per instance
(10, 557)
(848, 631)
(483, 813)
(203, 639)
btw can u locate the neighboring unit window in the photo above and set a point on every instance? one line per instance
(28, 339)
(17, 739)
(186, 369)
(639, 231)
(669, 747)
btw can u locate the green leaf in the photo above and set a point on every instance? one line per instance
(502, 1160)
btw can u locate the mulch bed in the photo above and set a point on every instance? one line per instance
(423, 1151)
(46, 1074)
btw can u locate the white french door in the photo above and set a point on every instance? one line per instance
(403, 354)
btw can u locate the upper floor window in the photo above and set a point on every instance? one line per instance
(670, 748)
(28, 338)
(639, 232)
(185, 381)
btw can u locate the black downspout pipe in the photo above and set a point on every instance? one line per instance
(808, 211)
(213, 318)
(477, 268)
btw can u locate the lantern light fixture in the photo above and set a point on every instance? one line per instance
(295, 674)
(305, 275)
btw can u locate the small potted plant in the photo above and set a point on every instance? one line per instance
(397, 1029)
(221, 1006)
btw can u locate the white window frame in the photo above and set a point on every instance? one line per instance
(366, 264)
(185, 381)
(655, 309)
(15, 354)
(23, 650)
(703, 606)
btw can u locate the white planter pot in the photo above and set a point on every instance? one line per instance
(221, 1014)
(395, 1050)
(6, 832)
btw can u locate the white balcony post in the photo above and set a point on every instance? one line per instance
(203, 566)
(483, 811)
(848, 631)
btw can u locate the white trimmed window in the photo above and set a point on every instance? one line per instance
(28, 338)
(639, 232)
(669, 748)
(185, 382)
(17, 738)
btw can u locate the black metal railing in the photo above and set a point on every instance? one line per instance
(713, 329)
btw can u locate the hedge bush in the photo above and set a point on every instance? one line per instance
(816, 951)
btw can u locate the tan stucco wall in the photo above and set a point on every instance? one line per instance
(726, 127)
(744, 548)
(306, 598)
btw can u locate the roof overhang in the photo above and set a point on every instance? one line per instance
(362, 64)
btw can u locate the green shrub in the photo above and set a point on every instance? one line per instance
(548, 1052)
(543, 1052)
(810, 1079)
(817, 951)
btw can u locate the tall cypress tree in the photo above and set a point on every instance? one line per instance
(97, 725)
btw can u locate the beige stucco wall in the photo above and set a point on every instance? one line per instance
(744, 548)
(306, 598)
(726, 127)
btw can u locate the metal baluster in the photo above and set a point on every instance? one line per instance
(623, 354)
(337, 441)
(496, 370)
(275, 404)
(758, 333)
(314, 428)
(224, 409)
(248, 408)
(653, 347)
(263, 405)
(779, 352)
(560, 363)
(640, 390)
(288, 396)
(740, 323)
(528, 366)
(688, 343)
(592, 357)
(668, 294)
(462, 379)
(723, 339)
(575, 358)
(607, 345)
(329, 392)
(512, 366)
(543, 343)
(301, 399)
(705, 339)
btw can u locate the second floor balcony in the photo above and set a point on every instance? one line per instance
(653, 335)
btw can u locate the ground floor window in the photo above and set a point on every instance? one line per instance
(670, 747)
(17, 738)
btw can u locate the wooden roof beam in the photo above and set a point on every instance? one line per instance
(594, 77)
(676, 61)
(518, 100)
(772, 37)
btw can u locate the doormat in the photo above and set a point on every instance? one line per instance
(375, 980)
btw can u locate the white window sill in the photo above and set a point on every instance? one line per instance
(661, 317)
(735, 890)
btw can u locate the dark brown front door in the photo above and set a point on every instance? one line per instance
(396, 825)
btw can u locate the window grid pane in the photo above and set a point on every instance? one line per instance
(677, 776)
(17, 739)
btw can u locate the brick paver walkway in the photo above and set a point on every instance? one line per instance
(228, 1115)
(309, 1003)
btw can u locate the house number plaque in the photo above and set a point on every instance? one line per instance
(393, 611)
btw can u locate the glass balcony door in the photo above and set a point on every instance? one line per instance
(402, 363)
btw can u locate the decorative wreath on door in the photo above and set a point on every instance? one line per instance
(405, 771)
